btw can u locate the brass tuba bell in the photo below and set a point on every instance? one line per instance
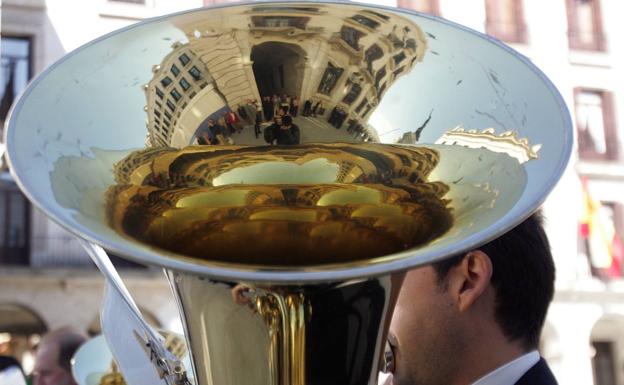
(284, 163)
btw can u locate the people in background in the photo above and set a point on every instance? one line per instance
(53, 357)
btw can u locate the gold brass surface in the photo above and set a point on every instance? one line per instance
(344, 202)
(308, 334)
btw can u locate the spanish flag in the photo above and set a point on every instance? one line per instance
(604, 246)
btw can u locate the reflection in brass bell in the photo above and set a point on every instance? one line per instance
(285, 163)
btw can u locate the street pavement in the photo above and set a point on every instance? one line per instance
(312, 130)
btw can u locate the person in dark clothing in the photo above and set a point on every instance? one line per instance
(333, 116)
(242, 113)
(267, 107)
(270, 131)
(288, 132)
(307, 108)
(11, 372)
(340, 118)
(294, 106)
(476, 318)
(217, 132)
(204, 133)
(318, 109)
(282, 132)
(258, 123)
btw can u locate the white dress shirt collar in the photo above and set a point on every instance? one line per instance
(511, 372)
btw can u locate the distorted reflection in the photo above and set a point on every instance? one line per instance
(505, 143)
(231, 80)
(258, 135)
(302, 205)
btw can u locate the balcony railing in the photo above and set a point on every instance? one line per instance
(57, 252)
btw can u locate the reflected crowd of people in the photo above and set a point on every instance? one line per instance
(275, 113)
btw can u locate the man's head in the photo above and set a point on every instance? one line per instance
(460, 318)
(54, 354)
(286, 121)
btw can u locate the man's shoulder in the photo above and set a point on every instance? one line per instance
(539, 374)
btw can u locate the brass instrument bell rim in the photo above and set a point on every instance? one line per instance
(377, 266)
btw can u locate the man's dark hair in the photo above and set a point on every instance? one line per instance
(286, 120)
(68, 342)
(523, 278)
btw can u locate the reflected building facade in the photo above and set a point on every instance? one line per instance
(345, 62)
(506, 142)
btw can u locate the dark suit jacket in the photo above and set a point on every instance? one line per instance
(539, 374)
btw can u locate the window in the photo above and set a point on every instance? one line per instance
(330, 78)
(603, 363)
(351, 36)
(361, 106)
(365, 21)
(380, 75)
(159, 93)
(424, 6)
(176, 95)
(585, 25)
(171, 105)
(165, 81)
(184, 84)
(377, 14)
(381, 90)
(505, 20)
(195, 73)
(372, 53)
(184, 59)
(16, 70)
(615, 213)
(353, 94)
(14, 226)
(175, 70)
(367, 110)
(280, 21)
(595, 125)
(398, 58)
(411, 44)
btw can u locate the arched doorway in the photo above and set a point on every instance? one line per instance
(20, 330)
(278, 68)
(607, 347)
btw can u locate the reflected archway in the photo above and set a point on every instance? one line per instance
(20, 331)
(278, 68)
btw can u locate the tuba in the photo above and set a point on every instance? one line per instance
(284, 163)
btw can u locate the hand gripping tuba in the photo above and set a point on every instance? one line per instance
(284, 163)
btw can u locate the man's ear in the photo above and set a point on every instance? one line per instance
(471, 278)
